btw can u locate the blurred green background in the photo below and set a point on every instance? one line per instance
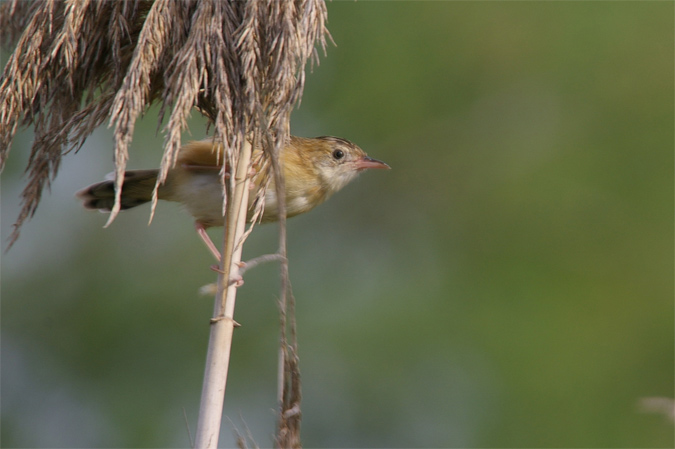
(508, 284)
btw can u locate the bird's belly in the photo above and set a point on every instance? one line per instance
(295, 205)
(202, 196)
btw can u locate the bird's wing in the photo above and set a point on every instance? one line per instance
(201, 155)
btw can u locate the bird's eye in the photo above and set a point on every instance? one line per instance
(338, 154)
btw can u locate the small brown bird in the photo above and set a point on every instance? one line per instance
(314, 169)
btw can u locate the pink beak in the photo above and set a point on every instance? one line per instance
(368, 162)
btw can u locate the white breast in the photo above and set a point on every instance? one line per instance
(202, 197)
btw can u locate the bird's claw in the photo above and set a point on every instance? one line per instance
(237, 280)
(216, 268)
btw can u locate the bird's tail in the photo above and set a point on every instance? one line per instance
(136, 190)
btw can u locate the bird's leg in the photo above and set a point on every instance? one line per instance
(201, 231)
(243, 266)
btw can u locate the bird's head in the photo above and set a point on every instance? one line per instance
(338, 161)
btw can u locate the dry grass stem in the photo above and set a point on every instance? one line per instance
(222, 323)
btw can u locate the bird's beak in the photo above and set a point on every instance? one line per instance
(368, 162)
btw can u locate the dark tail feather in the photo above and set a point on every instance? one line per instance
(136, 190)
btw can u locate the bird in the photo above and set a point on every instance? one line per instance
(314, 169)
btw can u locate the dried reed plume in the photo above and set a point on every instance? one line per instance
(78, 63)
